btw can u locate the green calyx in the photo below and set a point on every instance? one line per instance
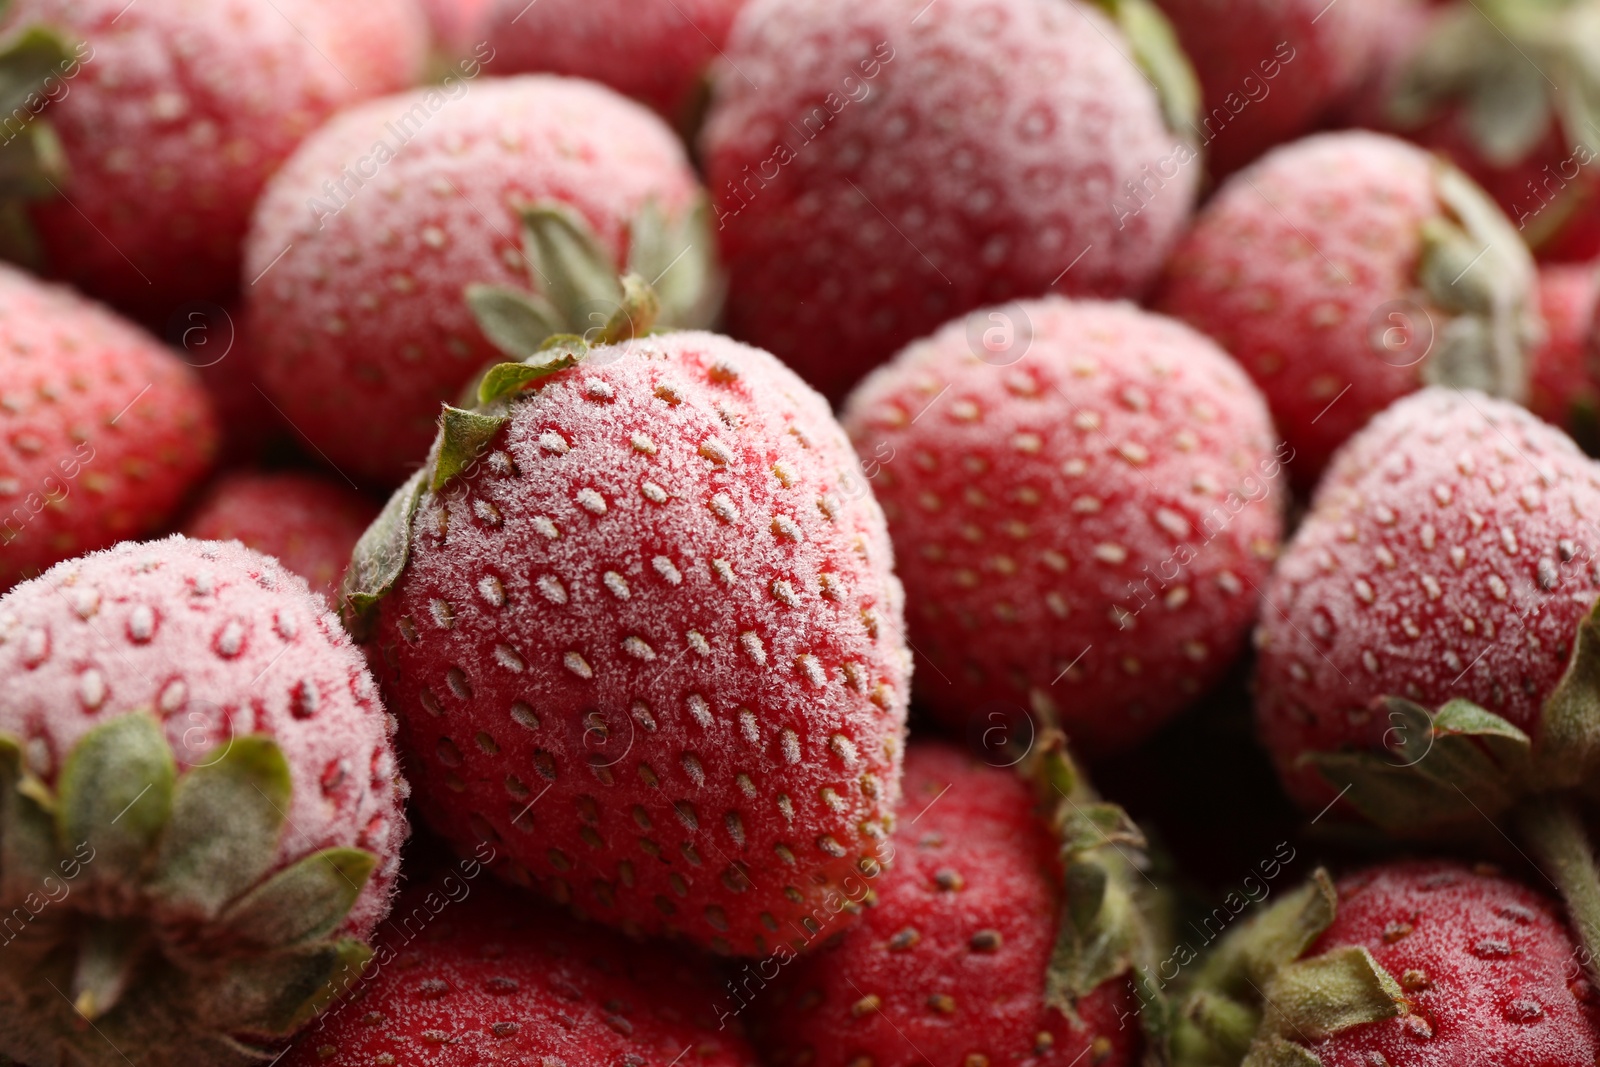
(1259, 1000)
(1476, 270)
(1516, 68)
(1161, 58)
(1111, 911)
(140, 915)
(32, 164)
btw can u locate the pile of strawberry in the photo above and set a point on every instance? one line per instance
(615, 533)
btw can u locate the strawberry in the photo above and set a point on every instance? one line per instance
(359, 310)
(1411, 964)
(1055, 158)
(1270, 71)
(310, 523)
(1083, 511)
(1563, 387)
(656, 51)
(1345, 271)
(468, 974)
(1502, 88)
(107, 431)
(643, 637)
(197, 776)
(170, 115)
(953, 963)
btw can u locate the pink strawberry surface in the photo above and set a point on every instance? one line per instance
(1083, 521)
(308, 522)
(105, 432)
(949, 964)
(649, 645)
(1304, 267)
(880, 166)
(1450, 551)
(219, 642)
(1489, 970)
(458, 25)
(656, 51)
(359, 316)
(176, 115)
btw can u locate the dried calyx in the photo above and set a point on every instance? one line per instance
(32, 165)
(145, 912)
(1258, 996)
(1111, 911)
(578, 304)
(1458, 771)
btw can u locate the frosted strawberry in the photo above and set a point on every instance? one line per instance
(363, 254)
(309, 523)
(1563, 388)
(1505, 90)
(1271, 71)
(202, 809)
(643, 638)
(1411, 964)
(165, 118)
(973, 951)
(473, 973)
(107, 431)
(656, 51)
(1347, 270)
(1082, 515)
(881, 166)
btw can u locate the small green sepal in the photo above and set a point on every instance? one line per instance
(1161, 58)
(463, 437)
(380, 557)
(115, 792)
(301, 903)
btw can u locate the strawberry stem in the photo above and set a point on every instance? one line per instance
(1561, 849)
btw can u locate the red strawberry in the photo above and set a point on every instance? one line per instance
(1271, 70)
(642, 636)
(952, 964)
(196, 770)
(467, 975)
(1563, 388)
(358, 315)
(1347, 270)
(309, 523)
(1449, 553)
(1497, 87)
(106, 430)
(1082, 514)
(1414, 964)
(172, 114)
(656, 51)
(880, 166)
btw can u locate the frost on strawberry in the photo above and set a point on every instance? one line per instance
(1082, 516)
(640, 627)
(1014, 927)
(367, 239)
(1349, 269)
(200, 811)
(1410, 964)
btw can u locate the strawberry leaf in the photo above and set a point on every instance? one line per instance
(379, 558)
(116, 790)
(515, 322)
(463, 437)
(300, 903)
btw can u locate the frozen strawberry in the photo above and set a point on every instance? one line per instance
(107, 432)
(881, 166)
(202, 808)
(643, 639)
(167, 117)
(1449, 553)
(1502, 89)
(656, 51)
(1564, 388)
(1411, 964)
(470, 974)
(309, 522)
(1272, 71)
(363, 251)
(1347, 270)
(1082, 514)
(967, 954)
